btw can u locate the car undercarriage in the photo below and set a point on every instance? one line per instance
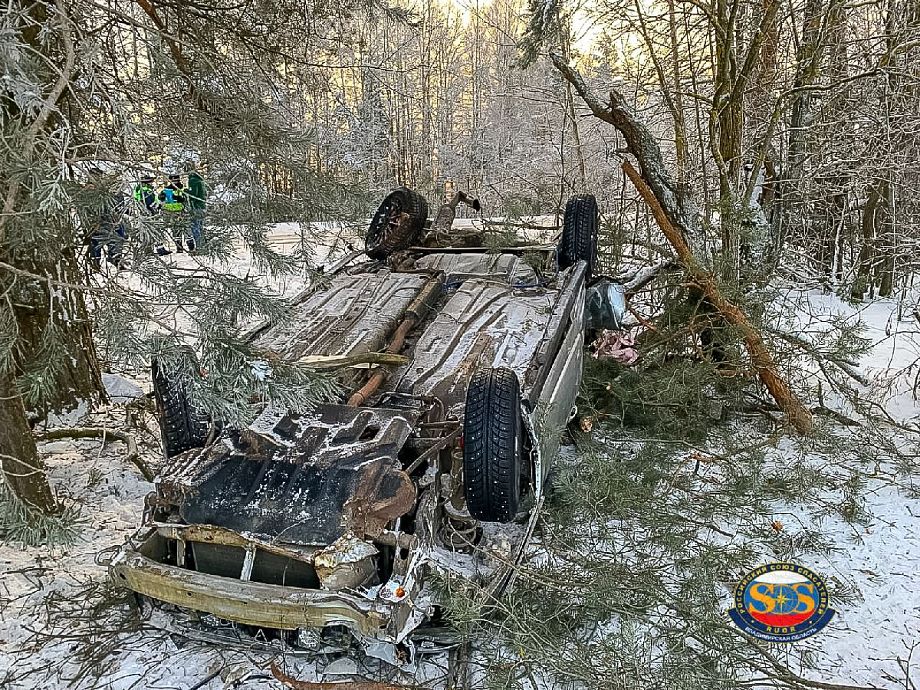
(427, 468)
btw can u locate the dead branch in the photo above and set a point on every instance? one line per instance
(636, 280)
(761, 359)
(295, 684)
(361, 359)
(640, 142)
(105, 434)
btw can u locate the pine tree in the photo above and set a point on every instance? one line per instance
(93, 99)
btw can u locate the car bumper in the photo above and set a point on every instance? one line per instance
(139, 567)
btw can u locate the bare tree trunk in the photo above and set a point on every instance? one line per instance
(867, 250)
(808, 60)
(886, 244)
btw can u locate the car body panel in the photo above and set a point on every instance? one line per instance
(303, 480)
(339, 516)
(483, 324)
(350, 314)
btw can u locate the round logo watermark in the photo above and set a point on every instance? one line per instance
(781, 602)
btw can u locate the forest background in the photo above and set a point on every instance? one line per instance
(779, 140)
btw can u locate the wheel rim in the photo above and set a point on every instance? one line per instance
(391, 213)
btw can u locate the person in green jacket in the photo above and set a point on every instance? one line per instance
(196, 195)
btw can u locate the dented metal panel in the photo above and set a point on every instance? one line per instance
(353, 314)
(507, 268)
(484, 324)
(299, 480)
(250, 603)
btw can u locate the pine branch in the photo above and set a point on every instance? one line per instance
(48, 107)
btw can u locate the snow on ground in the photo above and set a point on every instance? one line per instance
(876, 641)
(871, 642)
(52, 637)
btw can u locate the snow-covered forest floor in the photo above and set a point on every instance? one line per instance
(62, 625)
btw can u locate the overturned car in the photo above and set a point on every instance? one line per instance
(434, 465)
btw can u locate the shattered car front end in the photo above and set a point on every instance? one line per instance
(308, 567)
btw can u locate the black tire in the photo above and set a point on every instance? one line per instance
(493, 445)
(182, 427)
(579, 233)
(385, 234)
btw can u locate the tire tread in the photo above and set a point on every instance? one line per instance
(491, 445)
(378, 243)
(181, 425)
(579, 232)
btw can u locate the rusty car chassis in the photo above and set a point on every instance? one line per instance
(346, 517)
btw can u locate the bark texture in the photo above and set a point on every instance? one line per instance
(44, 309)
(23, 470)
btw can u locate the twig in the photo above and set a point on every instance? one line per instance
(105, 434)
(204, 681)
(340, 361)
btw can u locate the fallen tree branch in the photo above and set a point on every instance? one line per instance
(295, 684)
(847, 368)
(641, 143)
(636, 280)
(105, 434)
(677, 219)
(761, 359)
(356, 360)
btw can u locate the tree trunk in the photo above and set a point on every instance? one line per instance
(761, 359)
(52, 350)
(45, 312)
(808, 59)
(886, 243)
(23, 470)
(867, 250)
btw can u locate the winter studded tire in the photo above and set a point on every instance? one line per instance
(493, 445)
(397, 223)
(579, 233)
(181, 425)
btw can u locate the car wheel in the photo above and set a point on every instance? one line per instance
(387, 232)
(182, 427)
(493, 445)
(579, 233)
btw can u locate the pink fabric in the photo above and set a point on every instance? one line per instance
(617, 346)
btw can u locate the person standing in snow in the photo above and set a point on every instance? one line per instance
(172, 202)
(197, 195)
(109, 230)
(147, 204)
(145, 195)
